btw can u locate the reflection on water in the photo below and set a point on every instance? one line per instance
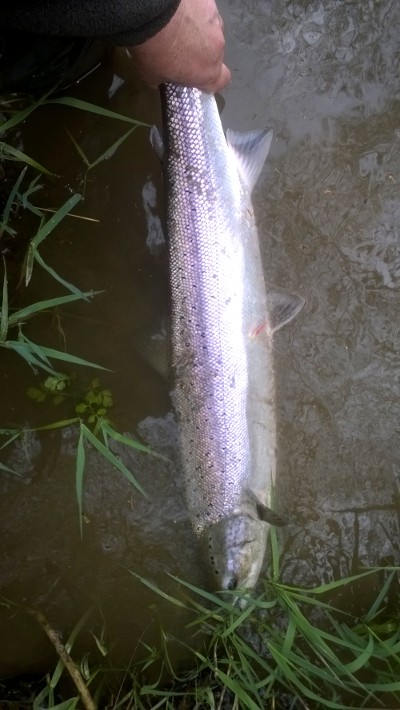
(325, 77)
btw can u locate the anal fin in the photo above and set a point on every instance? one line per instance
(282, 308)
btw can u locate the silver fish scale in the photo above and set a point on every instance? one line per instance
(207, 274)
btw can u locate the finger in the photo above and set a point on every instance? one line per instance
(219, 83)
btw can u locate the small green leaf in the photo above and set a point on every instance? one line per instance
(58, 399)
(95, 383)
(93, 398)
(54, 384)
(101, 411)
(80, 408)
(33, 392)
(42, 397)
(92, 418)
(107, 400)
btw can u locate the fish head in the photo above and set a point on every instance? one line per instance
(235, 548)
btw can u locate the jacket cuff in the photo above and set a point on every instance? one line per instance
(141, 34)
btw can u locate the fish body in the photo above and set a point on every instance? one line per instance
(222, 325)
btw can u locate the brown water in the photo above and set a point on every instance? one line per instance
(325, 77)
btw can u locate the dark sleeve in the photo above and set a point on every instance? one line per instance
(120, 22)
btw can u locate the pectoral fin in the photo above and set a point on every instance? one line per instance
(153, 344)
(282, 308)
(266, 514)
(250, 150)
(157, 143)
(269, 516)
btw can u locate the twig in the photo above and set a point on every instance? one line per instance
(65, 657)
(223, 690)
(70, 214)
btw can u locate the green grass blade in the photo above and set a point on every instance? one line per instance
(78, 148)
(340, 582)
(85, 106)
(125, 700)
(211, 597)
(50, 303)
(29, 206)
(296, 682)
(48, 227)
(80, 465)
(112, 149)
(378, 601)
(274, 539)
(3, 467)
(33, 187)
(8, 149)
(34, 349)
(24, 351)
(231, 684)
(112, 459)
(240, 619)
(289, 637)
(65, 705)
(28, 264)
(259, 603)
(11, 198)
(68, 646)
(158, 591)
(38, 701)
(58, 355)
(4, 308)
(22, 115)
(57, 277)
(56, 425)
(10, 440)
(362, 659)
(130, 442)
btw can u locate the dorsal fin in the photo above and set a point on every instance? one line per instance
(250, 150)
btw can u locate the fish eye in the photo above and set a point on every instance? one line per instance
(232, 584)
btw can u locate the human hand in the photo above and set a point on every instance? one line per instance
(189, 50)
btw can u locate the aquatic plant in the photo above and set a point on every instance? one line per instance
(262, 650)
(39, 356)
(266, 651)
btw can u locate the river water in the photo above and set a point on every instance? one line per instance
(325, 77)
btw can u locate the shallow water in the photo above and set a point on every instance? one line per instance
(324, 76)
